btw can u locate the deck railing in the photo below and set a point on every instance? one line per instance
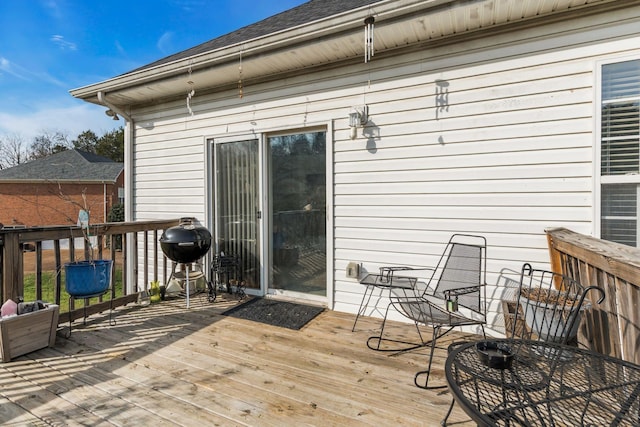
(615, 326)
(123, 241)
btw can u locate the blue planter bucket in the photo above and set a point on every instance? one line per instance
(88, 278)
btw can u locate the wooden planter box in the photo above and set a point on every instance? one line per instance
(28, 332)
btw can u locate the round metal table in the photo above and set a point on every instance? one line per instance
(546, 384)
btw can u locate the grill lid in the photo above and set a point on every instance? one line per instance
(186, 242)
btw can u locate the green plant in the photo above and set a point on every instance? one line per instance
(116, 214)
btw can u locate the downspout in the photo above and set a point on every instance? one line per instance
(105, 201)
(128, 155)
(128, 183)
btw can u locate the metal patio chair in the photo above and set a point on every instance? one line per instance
(454, 296)
(548, 307)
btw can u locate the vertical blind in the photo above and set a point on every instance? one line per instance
(620, 150)
(237, 205)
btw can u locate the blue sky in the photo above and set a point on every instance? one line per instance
(48, 47)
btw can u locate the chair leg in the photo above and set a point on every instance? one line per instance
(379, 338)
(363, 305)
(375, 342)
(427, 372)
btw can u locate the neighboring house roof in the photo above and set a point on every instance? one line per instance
(70, 165)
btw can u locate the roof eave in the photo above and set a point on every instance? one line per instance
(57, 181)
(333, 26)
(342, 32)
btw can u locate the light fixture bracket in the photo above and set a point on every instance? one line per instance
(112, 114)
(358, 117)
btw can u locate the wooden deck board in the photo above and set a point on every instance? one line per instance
(168, 365)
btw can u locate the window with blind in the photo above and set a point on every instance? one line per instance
(620, 152)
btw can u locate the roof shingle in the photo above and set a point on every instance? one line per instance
(308, 12)
(69, 165)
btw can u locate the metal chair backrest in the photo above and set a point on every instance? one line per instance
(462, 265)
(549, 306)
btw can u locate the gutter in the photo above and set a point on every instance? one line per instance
(128, 154)
(334, 28)
(55, 181)
(349, 21)
(102, 98)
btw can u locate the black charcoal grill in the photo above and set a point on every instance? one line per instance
(186, 242)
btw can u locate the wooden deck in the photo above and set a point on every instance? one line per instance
(168, 365)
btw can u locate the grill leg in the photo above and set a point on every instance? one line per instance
(187, 286)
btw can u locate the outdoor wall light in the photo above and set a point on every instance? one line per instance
(358, 117)
(112, 114)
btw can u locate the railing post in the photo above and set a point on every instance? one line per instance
(615, 324)
(13, 271)
(555, 257)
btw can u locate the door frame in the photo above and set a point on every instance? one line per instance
(210, 168)
(328, 298)
(210, 141)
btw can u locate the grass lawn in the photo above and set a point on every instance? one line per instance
(48, 289)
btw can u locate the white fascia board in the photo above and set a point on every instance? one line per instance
(350, 21)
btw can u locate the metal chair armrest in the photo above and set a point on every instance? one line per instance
(388, 272)
(461, 291)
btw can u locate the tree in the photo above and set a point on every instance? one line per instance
(86, 141)
(47, 144)
(116, 214)
(111, 145)
(12, 151)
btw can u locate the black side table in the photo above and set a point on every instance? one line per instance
(386, 280)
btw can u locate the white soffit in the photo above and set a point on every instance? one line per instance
(398, 23)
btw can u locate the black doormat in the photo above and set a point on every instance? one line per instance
(277, 313)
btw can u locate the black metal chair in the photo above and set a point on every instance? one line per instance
(548, 307)
(226, 269)
(454, 296)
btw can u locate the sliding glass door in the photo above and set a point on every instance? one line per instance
(284, 251)
(297, 219)
(237, 206)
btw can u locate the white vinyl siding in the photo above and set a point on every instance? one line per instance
(507, 151)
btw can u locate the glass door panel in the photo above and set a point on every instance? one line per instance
(297, 197)
(237, 207)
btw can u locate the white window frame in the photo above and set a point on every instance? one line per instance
(599, 179)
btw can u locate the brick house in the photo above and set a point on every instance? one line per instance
(49, 191)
